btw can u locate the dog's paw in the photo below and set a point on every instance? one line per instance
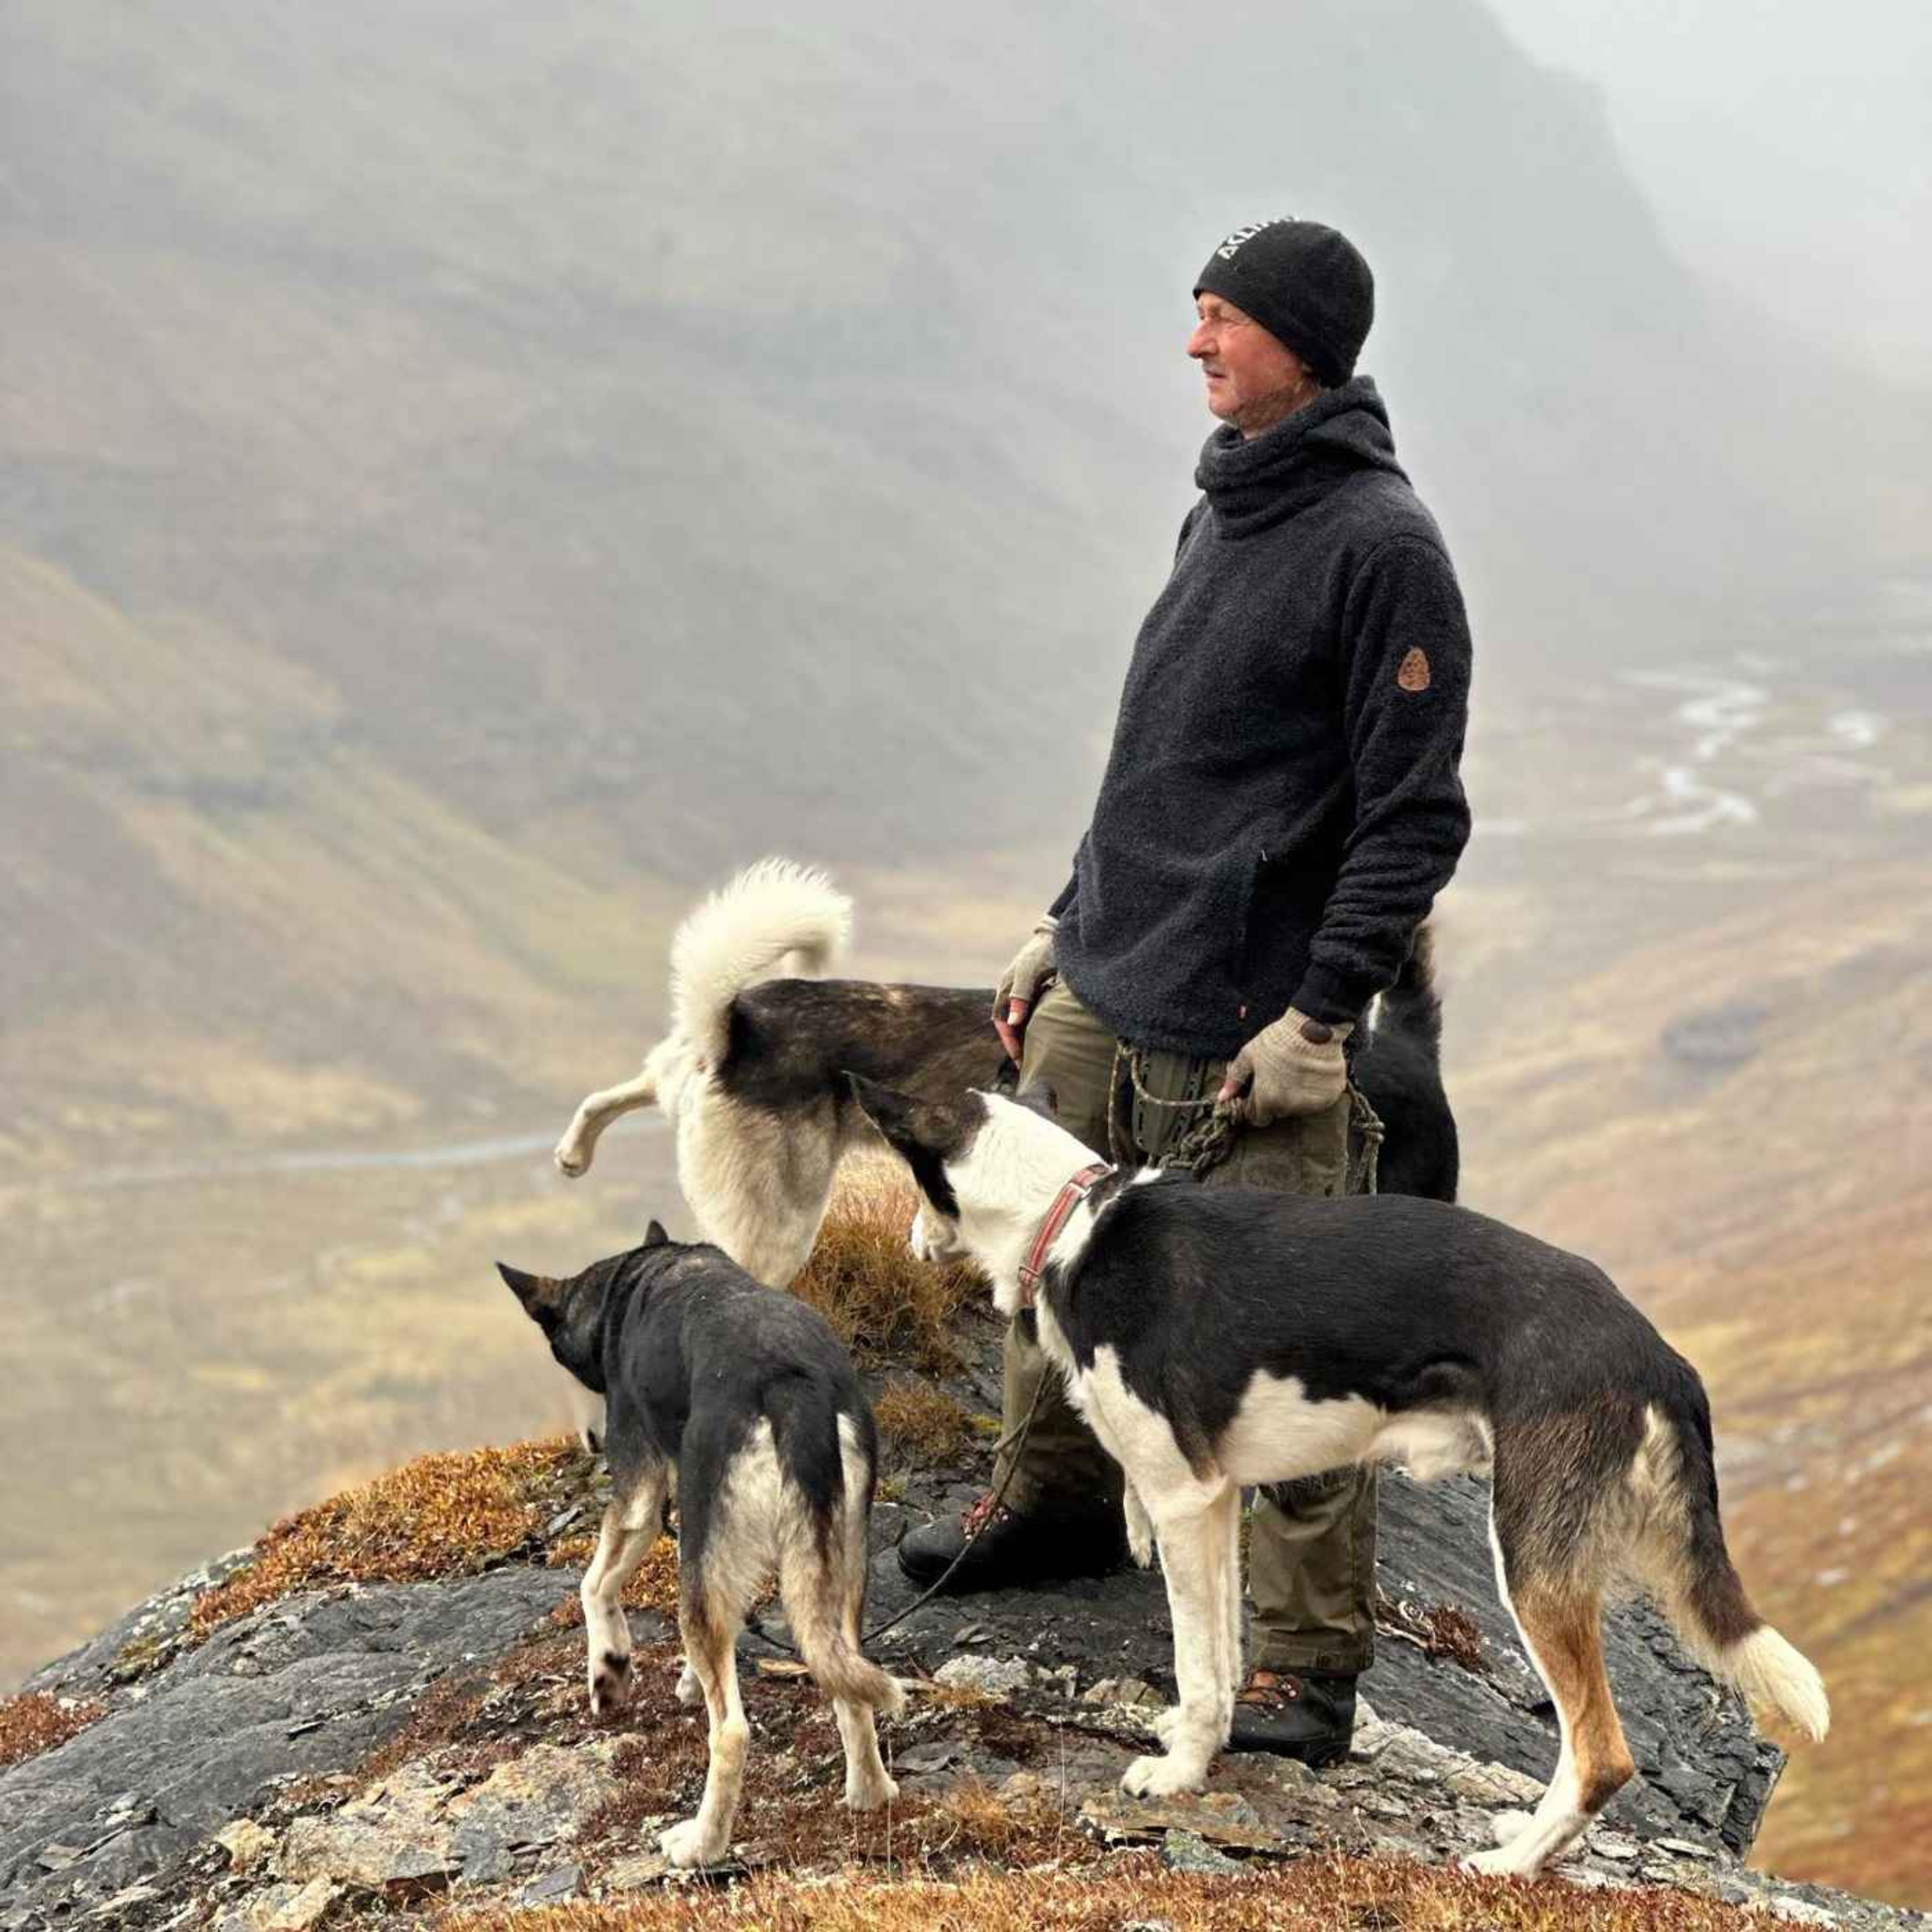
(689, 1690)
(572, 1162)
(688, 1846)
(868, 1794)
(1505, 1861)
(1162, 1777)
(1506, 1826)
(610, 1683)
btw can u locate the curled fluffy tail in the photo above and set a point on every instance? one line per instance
(741, 934)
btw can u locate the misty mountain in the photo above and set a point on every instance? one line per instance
(462, 462)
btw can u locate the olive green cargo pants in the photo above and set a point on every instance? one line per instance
(1312, 1549)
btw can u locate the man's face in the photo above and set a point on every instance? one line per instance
(1252, 379)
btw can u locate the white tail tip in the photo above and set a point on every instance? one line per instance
(1771, 1672)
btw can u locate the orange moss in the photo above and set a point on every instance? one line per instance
(1323, 1892)
(884, 1305)
(925, 1422)
(440, 1516)
(34, 1722)
(654, 1587)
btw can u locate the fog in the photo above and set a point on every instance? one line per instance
(1786, 149)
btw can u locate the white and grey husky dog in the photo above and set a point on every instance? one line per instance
(1215, 1337)
(751, 1073)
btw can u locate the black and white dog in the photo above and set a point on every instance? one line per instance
(744, 1398)
(750, 1074)
(1213, 1337)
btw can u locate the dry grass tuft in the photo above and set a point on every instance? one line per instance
(979, 1820)
(926, 1423)
(886, 1307)
(1442, 1629)
(1322, 1893)
(953, 1696)
(440, 1516)
(654, 1587)
(33, 1723)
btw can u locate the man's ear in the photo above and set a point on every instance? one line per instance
(655, 1236)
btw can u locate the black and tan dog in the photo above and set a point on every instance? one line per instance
(744, 1398)
(1215, 1337)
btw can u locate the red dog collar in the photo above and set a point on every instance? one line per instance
(1069, 1197)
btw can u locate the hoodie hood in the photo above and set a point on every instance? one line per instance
(1252, 484)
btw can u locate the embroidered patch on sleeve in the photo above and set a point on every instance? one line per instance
(1412, 673)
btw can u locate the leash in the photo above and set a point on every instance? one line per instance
(1200, 1146)
(1071, 1195)
(925, 1596)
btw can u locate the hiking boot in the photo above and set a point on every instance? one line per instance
(1044, 1545)
(1307, 1717)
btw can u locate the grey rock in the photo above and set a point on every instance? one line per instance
(394, 1833)
(203, 1747)
(1494, 1785)
(551, 1887)
(994, 1676)
(1186, 1852)
(1800, 1911)
(633, 1874)
(412, 1827)
(246, 1843)
(1134, 1692)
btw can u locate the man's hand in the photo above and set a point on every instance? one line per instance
(1033, 967)
(1293, 1067)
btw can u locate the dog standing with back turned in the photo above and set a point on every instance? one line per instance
(1280, 807)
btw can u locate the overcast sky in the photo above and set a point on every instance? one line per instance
(1785, 145)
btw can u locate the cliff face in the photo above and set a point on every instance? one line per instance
(372, 1743)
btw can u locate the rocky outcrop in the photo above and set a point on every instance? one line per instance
(383, 1742)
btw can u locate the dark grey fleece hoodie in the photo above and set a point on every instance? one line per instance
(1282, 803)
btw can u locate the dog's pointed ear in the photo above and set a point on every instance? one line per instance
(1038, 1096)
(889, 1110)
(655, 1236)
(533, 1290)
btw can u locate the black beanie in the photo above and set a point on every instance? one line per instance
(1306, 284)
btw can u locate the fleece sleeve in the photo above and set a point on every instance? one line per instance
(1069, 892)
(1405, 701)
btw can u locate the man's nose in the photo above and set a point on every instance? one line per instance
(1202, 341)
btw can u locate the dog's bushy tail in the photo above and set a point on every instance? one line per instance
(841, 1668)
(1685, 1561)
(741, 934)
(1412, 1005)
(823, 1553)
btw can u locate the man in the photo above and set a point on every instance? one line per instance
(1280, 807)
